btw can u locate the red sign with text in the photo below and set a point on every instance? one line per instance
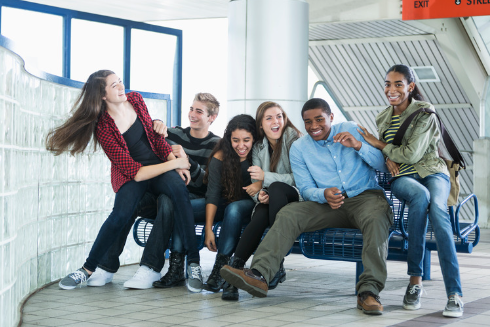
(427, 9)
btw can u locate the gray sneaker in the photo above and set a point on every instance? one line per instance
(194, 282)
(411, 300)
(454, 307)
(74, 279)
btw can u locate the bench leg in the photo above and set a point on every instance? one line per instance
(359, 270)
(426, 265)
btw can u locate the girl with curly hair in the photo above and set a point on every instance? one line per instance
(271, 167)
(226, 197)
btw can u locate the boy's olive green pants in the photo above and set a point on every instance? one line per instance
(368, 211)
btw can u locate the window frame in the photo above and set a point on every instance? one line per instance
(173, 115)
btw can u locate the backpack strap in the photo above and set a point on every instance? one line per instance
(397, 140)
(448, 142)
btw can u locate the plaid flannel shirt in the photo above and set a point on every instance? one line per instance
(123, 167)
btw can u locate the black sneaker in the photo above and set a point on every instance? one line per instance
(411, 300)
(74, 279)
(454, 307)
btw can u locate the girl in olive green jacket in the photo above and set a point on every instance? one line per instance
(421, 179)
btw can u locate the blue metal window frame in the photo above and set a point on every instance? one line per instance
(173, 115)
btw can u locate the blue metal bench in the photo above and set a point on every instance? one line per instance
(142, 228)
(344, 244)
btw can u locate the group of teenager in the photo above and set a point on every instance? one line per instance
(263, 174)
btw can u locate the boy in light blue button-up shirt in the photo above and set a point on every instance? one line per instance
(335, 171)
(329, 163)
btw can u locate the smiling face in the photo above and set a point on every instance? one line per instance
(317, 123)
(114, 90)
(242, 142)
(273, 124)
(199, 117)
(397, 90)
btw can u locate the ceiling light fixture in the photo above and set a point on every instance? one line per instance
(425, 74)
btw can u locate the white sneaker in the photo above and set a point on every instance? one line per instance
(100, 277)
(143, 278)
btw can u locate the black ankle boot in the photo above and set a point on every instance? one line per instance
(215, 282)
(175, 275)
(230, 292)
(279, 277)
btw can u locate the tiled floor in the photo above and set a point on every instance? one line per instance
(316, 293)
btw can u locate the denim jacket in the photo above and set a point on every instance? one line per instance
(261, 158)
(419, 145)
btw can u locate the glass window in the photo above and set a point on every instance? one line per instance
(38, 36)
(95, 46)
(321, 92)
(152, 61)
(482, 23)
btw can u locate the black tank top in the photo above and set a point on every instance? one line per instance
(139, 146)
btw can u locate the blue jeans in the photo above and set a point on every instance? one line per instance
(147, 208)
(161, 211)
(166, 207)
(429, 195)
(233, 216)
(125, 203)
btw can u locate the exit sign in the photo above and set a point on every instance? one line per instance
(427, 9)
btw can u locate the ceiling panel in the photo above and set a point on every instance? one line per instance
(355, 71)
(368, 29)
(147, 10)
(160, 10)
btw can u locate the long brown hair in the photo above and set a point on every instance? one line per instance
(231, 176)
(75, 134)
(276, 154)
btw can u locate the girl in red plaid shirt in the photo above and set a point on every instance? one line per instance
(141, 161)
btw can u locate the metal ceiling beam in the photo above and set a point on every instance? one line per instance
(462, 56)
(436, 106)
(428, 37)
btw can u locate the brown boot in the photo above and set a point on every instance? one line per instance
(246, 280)
(369, 303)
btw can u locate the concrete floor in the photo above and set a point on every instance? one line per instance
(316, 293)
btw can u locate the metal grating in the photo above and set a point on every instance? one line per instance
(355, 72)
(369, 29)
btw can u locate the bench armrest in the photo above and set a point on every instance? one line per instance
(402, 212)
(462, 233)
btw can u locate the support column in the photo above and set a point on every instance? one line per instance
(481, 159)
(481, 178)
(267, 56)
